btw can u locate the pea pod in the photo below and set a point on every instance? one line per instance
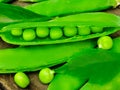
(62, 30)
(34, 58)
(31, 0)
(17, 14)
(65, 7)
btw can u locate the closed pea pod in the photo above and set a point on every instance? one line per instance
(71, 28)
(65, 7)
(34, 58)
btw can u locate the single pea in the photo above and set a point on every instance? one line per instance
(84, 30)
(21, 79)
(56, 33)
(42, 32)
(46, 75)
(70, 31)
(105, 42)
(16, 31)
(96, 29)
(29, 34)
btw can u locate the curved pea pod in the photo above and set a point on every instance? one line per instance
(17, 14)
(32, 1)
(92, 71)
(32, 58)
(71, 28)
(65, 7)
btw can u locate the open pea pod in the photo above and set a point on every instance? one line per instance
(31, 58)
(62, 30)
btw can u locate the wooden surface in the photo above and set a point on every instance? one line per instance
(7, 82)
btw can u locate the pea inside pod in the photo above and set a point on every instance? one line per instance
(62, 30)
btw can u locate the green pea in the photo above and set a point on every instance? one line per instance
(29, 34)
(46, 75)
(105, 42)
(84, 30)
(21, 79)
(70, 31)
(56, 33)
(96, 29)
(16, 31)
(42, 32)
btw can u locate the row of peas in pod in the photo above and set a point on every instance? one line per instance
(54, 33)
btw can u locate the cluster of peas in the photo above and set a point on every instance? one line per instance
(54, 32)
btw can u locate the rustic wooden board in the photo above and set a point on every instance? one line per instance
(6, 80)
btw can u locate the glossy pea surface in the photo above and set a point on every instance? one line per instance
(105, 42)
(16, 31)
(21, 79)
(56, 33)
(42, 32)
(29, 34)
(70, 31)
(46, 75)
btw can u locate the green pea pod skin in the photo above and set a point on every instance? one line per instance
(86, 19)
(32, 1)
(16, 15)
(116, 46)
(65, 82)
(33, 58)
(95, 70)
(65, 7)
(5, 1)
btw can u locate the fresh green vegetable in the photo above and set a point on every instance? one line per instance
(92, 71)
(66, 7)
(11, 14)
(16, 32)
(105, 42)
(42, 32)
(84, 30)
(95, 68)
(116, 45)
(33, 58)
(70, 31)
(5, 1)
(60, 31)
(97, 29)
(46, 75)
(31, 1)
(21, 79)
(56, 33)
(65, 82)
(29, 34)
